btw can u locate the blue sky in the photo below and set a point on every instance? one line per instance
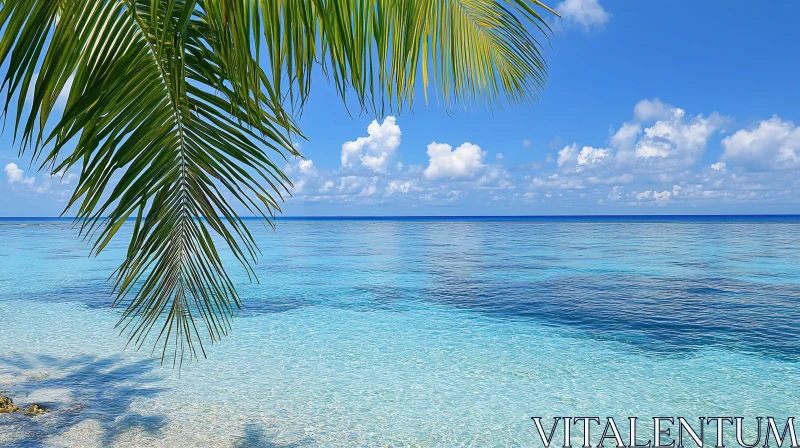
(650, 108)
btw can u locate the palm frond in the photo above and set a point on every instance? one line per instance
(178, 108)
(473, 51)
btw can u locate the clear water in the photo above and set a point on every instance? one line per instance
(417, 333)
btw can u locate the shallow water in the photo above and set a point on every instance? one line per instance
(416, 333)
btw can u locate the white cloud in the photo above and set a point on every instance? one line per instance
(659, 148)
(396, 186)
(659, 197)
(567, 154)
(586, 13)
(526, 143)
(464, 162)
(356, 185)
(63, 177)
(772, 146)
(369, 190)
(494, 177)
(48, 183)
(673, 142)
(625, 138)
(591, 156)
(662, 197)
(16, 175)
(375, 151)
(652, 110)
(305, 165)
(570, 159)
(652, 159)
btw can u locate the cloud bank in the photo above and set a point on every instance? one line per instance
(655, 159)
(658, 158)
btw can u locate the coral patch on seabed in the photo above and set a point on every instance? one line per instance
(35, 409)
(7, 405)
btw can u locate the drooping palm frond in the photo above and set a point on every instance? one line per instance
(177, 110)
(472, 50)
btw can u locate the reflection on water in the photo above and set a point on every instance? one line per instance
(416, 332)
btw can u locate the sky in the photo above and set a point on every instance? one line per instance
(677, 107)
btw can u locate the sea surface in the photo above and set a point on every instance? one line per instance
(420, 332)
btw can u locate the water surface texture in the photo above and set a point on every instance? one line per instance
(416, 332)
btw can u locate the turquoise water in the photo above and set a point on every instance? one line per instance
(417, 332)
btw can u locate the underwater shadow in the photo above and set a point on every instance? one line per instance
(654, 315)
(82, 389)
(255, 436)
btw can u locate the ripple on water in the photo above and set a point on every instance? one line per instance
(415, 334)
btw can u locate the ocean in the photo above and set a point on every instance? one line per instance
(416, 332)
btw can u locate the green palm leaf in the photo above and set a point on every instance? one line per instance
(178, 109)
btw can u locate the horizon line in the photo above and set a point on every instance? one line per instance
(345, 217)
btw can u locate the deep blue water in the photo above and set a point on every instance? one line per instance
(554, 218)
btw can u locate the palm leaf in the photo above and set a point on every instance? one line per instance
(472, 50)
(178, 109)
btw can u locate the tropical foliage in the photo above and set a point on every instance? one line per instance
(180, 112)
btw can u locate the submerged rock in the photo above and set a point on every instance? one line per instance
(7, 405)
(35, 409)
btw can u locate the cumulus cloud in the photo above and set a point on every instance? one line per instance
(624, 140)
(567, 154)
(47, 184)
(662, 142)
(464, 162)
(572, 159)
(16, 175)
(658, 148)
(305, 165)
(774, 145)
(375, 151)
(591, 156)
(585, 13)
(673, 140)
